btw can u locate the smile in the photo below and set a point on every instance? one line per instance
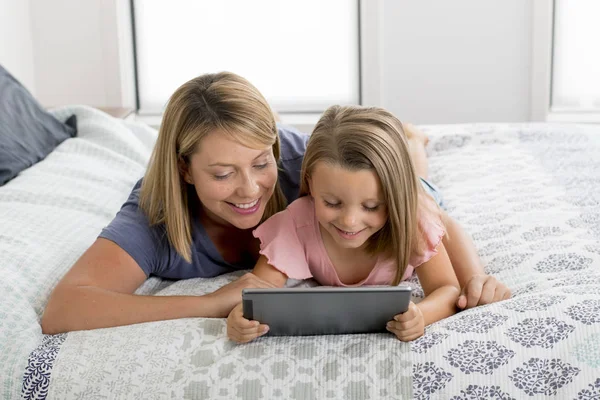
(245, 208)
(347, 234)
(245, 205)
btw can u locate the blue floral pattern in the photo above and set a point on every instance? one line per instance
(590, 393)
(37, 375)
(425, 342)
(588, 350)
(533, 303)
(562, 262)
(479, 356)
(428, 379)
(480, 322)
(505, 262)
(475, 392)
(542, 332)
(587, 312)
(541, 376)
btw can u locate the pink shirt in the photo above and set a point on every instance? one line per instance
(292, 242)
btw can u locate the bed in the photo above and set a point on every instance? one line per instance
(528, 193)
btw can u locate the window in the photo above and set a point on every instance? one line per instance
(576, 56)
(302, 55)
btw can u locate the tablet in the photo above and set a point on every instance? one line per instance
(325, 310)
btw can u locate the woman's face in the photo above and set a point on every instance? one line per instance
(233, 182)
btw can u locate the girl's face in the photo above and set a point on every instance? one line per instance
(349, 205)
(233, 182)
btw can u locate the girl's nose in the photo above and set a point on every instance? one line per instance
(349, 220)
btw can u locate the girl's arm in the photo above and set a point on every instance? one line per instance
(440, 286)
(441, 289)
(98, 293)
(269, 273)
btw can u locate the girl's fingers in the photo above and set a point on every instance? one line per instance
(243, 324)
(407, 334)
(409, 315)
(401, 326)
(246, 335)
(410, 337)
(254, 329)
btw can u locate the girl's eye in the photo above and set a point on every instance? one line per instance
(332, 205)
(371, 209)
(261, 166)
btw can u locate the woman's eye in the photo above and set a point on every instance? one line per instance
(261, 166)
(221, 177)
(332, 205)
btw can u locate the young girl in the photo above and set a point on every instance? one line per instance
(363, 218)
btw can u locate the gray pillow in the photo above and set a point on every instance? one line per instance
(27, 132)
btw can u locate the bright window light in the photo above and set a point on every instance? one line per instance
(302, 55)
(576, 57)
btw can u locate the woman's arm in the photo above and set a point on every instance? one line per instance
(477, 287)
(98, 293)
(440, 286)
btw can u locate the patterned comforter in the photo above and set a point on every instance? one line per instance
(528, 193)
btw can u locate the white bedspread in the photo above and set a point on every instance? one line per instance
(50, 214)
(528, 193)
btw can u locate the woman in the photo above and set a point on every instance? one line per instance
(220, 167)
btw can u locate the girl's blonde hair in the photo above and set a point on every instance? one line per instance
(357, 138)
(225, 102)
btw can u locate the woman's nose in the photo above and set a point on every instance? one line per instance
(249, 188)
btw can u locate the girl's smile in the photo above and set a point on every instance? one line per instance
(349, 204)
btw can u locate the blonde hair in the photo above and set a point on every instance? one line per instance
(357, 138)
(210, 102)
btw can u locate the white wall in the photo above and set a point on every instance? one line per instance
(456, 61)
(16, 44)
(82, 52)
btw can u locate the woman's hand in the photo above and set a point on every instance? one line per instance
(226, 297)
(480, 290)
(409, 325)
(241, 330)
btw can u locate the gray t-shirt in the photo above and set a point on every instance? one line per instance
(150, 248)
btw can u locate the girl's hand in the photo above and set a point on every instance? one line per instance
(241, 330)
(408, 326)
(480, 290)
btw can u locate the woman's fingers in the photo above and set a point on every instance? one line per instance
(488, 291)
(473, 291)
